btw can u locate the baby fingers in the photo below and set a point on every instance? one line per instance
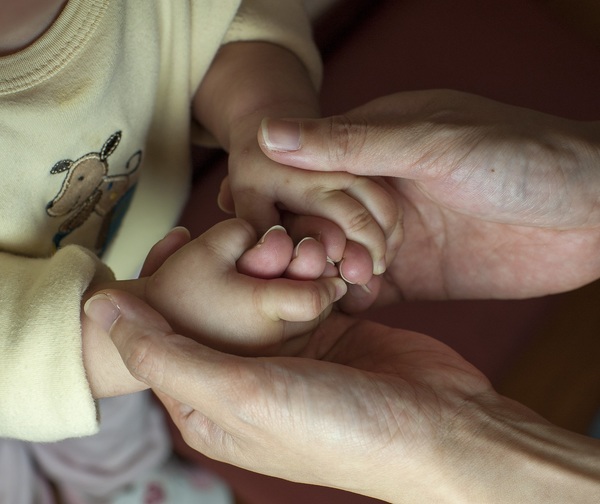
(297, 301)
(363, 208)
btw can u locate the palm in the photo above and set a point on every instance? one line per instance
(355, 384)
(413, 368)
(497, 199)
(450, 254)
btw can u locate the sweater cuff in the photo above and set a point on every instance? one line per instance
(44, 393)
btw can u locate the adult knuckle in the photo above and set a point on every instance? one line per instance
(348, 138)
(144, 361)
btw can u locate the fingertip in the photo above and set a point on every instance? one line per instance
(359, 298)
(268, 258)
(308, 261)
(326, 232)
(164, 248)
(178, 232)
(120, 308)
(102, 310)
(330, 270)
(379, 266)
(341, 289)
(273, 230)
(280, 135)
(228, 239)
(356, 267)
(224, 198)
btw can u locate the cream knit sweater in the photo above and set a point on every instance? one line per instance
(95, 130)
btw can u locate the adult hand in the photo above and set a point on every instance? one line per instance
(498, 201)
(362, 407)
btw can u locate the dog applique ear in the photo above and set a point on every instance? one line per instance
(110, 145)
(134, 161)
(61, 166)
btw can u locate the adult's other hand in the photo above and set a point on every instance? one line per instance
(362, 407)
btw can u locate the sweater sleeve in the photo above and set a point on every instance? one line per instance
(284, 23)
(44, 393)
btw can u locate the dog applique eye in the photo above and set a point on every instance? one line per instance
(61, 166)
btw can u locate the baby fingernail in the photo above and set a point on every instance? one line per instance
(365, 289)
(297, 247)
(102, 311)
(340, 290)
(379, 267)
(177, 229)
(276, 227)
(341, 270)
(280, 135)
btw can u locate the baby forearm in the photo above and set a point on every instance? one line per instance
(249, 81)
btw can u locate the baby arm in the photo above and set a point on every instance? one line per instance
(252, 80)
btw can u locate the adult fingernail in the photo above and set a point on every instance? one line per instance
(280, 135)
(365, 289)
(102, 310)
(274, 228)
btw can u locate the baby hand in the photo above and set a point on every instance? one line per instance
(203, 293)
(259, 189)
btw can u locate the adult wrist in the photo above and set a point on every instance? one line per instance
(499, 451)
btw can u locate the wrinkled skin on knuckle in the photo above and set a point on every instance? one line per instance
(358, 221)
(387, 209)
(317, 299)
(348, 138)
(208, 437)
(144, 362)
(308, 303)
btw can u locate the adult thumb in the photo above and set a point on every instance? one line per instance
(134, 327)
(353, 143)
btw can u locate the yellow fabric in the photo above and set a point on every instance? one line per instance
(43, 392)
(95, 110)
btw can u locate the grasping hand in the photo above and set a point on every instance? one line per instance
(362, 407)
(497, 201)
(250, 80)
(205, 290)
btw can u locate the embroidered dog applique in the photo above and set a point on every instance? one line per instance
(88, 190)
